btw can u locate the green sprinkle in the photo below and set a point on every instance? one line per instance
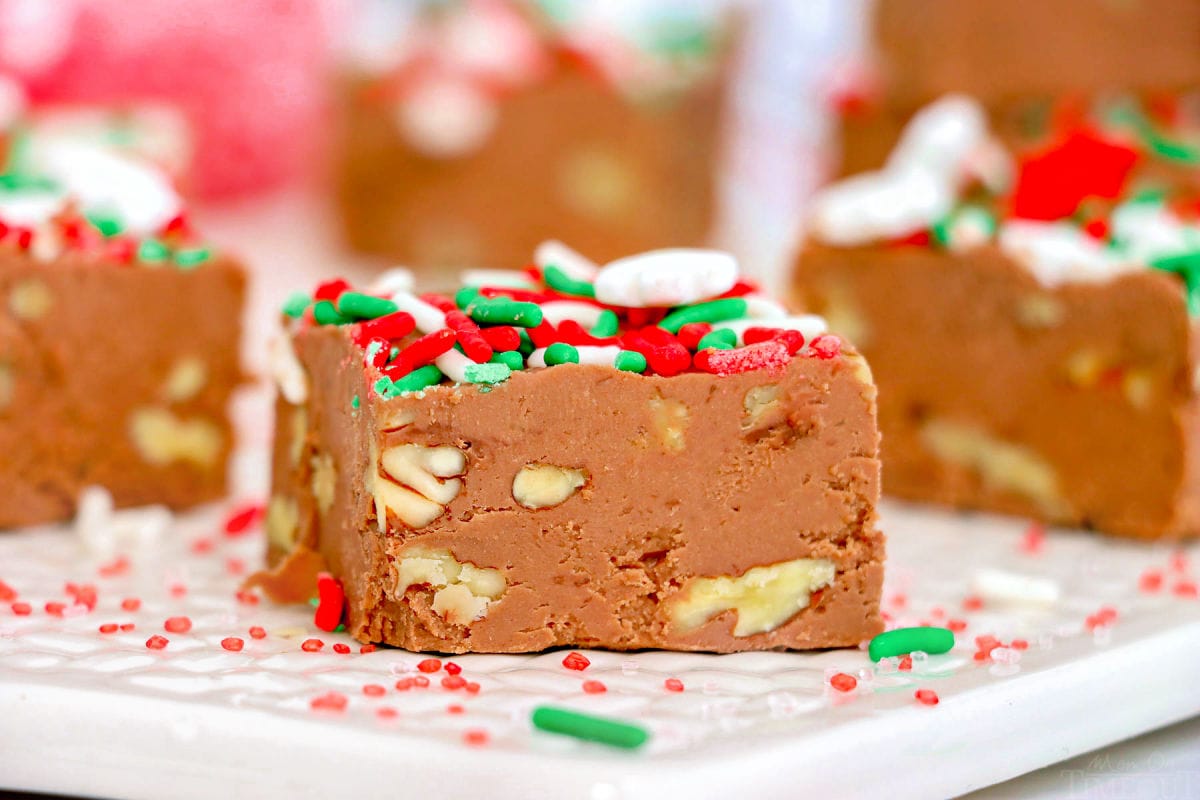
(589, 728)
(502, 311)
(563, 283)
(194, 257)
(324, 313)
(561, 353)
(364, 306)
(713, 311)
(607, 324)
(418, 379)
(1187, 266)
(296, 304)
(487, 373)
(526, 347)
(355, 403)
(909, 640)
(630, 361)
(383, 387)
(720, 339)
(107, 224)
(465, 296)
(509, 358)
(153, 251)
(25, 182)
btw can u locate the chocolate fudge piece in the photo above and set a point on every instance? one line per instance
(449, 158)
(1019, 59)
(118, 339)
(1034, 348)
(649, 488)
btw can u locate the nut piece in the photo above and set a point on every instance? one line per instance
(1001, 465)
(463, 591)
(1138, 386)
(162, 438)
(299, 433)
(757, 402)
(282, 521)
(545, 485)
(763, 597)
(185, 380)
(324, 481)
(416, 482)
(1039, 311)
(670, 421)
(30, 300)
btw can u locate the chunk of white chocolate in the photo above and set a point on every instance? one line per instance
(30, 300)
(463, 591)
(185, 380)
(763, 597)
(670, 418)
(546, 485)
(282, 521)
(163, 438)
(416, 482)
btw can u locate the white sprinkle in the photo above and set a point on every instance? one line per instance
(390, 281)
(454, 365)
(999, 586)
(577, 266)
(496, 277)
(556, 311)
(601, 355)
(760, 307)
(537, 358)
(669, 277)
(428, 318)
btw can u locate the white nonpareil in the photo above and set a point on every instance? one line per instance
(671, 277)
(1059, 252)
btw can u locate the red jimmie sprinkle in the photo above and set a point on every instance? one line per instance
(1034, 539)
(420, 681)
(419, 353)
(469, 337)
(543, 335)
(452, 668)
(366, 648)
(108, 627)
(331, 602)
(157, 642)
(664, 353)
(430, 665)
(246, 597)
(472, 687)
(475, 737)
(576, 661)
(177, 590)
(7, 593)
(501, 338)
(341, 648)
(404, 684)
(118, 566)
(1185, 589)
(439, 301)
(572, 333)
(691, 334)
(594, 687)
(22, 609)
(55, 609)
(772, 355)
(257, 633)
(843, 682)
(386, 712)
(244, 519)
(926, 697)
(388, 328)
(233, 644)
(1150, 581)
(455, 708)
(312, 645)
(127, 626)
(331, 290)
(825, 346)
(83, 595)
(972, 603)
(673, 685)
(757, 334)
(956, 625)
(330, 701)
(453, 682)
(177, 625)
(374, 690)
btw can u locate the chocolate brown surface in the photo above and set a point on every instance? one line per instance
(678, 482)
(1073, 404)
(569, 158)
(114, 376)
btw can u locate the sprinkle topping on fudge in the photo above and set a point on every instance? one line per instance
(1086, 207)
(665, 312)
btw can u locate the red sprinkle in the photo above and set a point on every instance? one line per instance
(543, 335)
(453, 682)
(594, 687)
(341, 648)
(233, 644)
(404, 684)
(374, 690)
(420, 681)
(331, 602)
(387, 328)
(771, 355)
(22, 609)
(926, 697)
(178, 590)
(177, 625)
(157, 642)
(475, 737)
(472, 687)
(1182, 589)
(501, 338)
(665, 354)
(972, 603)
(826, 346)
(1019, 644)
(55, 609)
(244, 519)
(455, 708)
(246, 597)
(257, 633)
(439, 301)
(1151, 581)
(202, 546)
(956, 625)
(430, 665)
(421, 352)
(235, 566)
(673, 685)
(843, 682)
(131, 604)
(470, 339)
(758, 334)
(691, 334)
(905, 664)
(118, 566)
(386, 712)
(1179, 561)
(127, 626)
(452, 668)
(330, 701)
(108, 627)
(576, 661)
(331, 290)
(366, 648)
(312, 645)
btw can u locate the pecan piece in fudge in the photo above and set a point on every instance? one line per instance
(648, 454)
(1033, 339)
(118, 338)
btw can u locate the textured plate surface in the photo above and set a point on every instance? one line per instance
(102, 714)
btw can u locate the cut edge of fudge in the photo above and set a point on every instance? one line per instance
(510, 516)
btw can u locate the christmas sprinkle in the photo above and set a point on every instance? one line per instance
(614, 733)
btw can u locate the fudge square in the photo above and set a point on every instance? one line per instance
(118, 338)
(1033, 336)
(647, 454)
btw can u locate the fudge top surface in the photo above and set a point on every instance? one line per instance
(665, 312)
(77, 192)
(1105, 193)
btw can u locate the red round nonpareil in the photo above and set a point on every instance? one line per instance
(843, 682)
(926, 697)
